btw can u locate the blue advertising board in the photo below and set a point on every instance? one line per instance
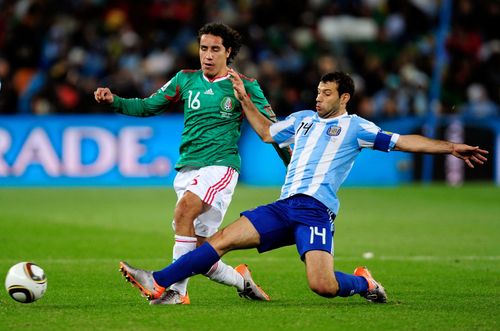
(117, 150)
(88, 150)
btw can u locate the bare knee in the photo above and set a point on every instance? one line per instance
(186, 211)
(189, 207)
(319, 268)
(327, 289)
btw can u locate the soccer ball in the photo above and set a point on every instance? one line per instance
(26, 282)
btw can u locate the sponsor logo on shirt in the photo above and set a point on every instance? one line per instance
(209, 92)
(334, 131)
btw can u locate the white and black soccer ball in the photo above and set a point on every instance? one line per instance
(26, 282)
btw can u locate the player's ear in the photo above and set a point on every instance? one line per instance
(345, 97)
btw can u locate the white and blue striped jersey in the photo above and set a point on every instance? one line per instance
(324, 151)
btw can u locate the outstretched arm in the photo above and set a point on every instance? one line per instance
(421, 144)
(151, 106)
(258, 121)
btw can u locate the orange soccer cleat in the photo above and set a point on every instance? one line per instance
(143, 280)
(376, 292)
(251, 290)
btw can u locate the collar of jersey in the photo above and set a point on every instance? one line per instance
(216, 79)
(326, 120)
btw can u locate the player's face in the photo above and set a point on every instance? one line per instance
(213, 56)
(328, 102)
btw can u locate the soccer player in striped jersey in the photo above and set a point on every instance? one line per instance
(209, 161)
(326, 142)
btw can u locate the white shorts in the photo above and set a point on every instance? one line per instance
(214, 185)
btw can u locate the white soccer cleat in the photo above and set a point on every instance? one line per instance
(171, 297)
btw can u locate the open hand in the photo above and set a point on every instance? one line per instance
(470, 154)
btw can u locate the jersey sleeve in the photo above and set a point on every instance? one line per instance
(155, 104)
(283, 132)
(369, 135)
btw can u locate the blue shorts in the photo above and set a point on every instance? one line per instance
(299, 219)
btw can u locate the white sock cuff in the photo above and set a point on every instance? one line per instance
(185, 239)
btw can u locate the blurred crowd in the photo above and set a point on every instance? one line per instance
(53, 54)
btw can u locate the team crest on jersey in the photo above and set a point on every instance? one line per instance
(227, 106)
(334, 131)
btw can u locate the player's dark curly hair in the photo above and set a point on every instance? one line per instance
(344, 82)
(230, 37)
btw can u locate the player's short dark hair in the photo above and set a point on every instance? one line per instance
(230, 37)
(345, 84)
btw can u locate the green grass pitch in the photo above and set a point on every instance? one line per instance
(436, 250)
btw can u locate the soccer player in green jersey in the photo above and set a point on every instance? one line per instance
(209, 161)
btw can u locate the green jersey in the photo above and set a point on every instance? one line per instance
(212, 116)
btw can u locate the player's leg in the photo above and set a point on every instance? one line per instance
(314, 240)
(238, 235)
(314, 232)
(241, 234)
(206, 225)
(327, 283)
(197, 189)
(216, 187)
(263, 227)
(319, 266)
(189, 207)
(206, 194)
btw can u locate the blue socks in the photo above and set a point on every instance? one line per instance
(350, 284)
(195, 262)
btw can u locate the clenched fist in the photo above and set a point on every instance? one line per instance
(103, 95)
